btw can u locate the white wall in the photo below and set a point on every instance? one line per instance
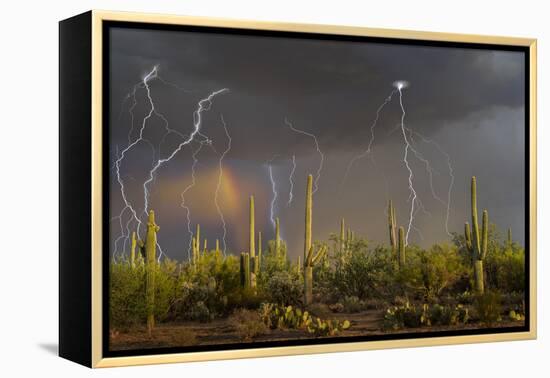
(28, 257)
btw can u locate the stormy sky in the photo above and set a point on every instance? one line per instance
(465, 103)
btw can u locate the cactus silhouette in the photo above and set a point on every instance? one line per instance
(133, 250)
(401, 248)
(478, 245)
(392, 226)
(277, 237)
(151, 261)
(309, 258)
(342, 236)
(259, 251)
(251, 244)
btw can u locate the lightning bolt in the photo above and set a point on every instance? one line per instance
(274, 198)
(291, 181)
(203, 105)
(127, 205)
(321, 155)
(187, 188)
(220, 162)
(371, 140)
(413, 195)
(447, 203)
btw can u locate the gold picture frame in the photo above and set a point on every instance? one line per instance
(94, 21)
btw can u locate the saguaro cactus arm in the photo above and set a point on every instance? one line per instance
(401, 249)
(468, 236)
(308, 215)
(277, 237)
(475, 224)
(485, 235)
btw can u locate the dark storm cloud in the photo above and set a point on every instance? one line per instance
(329, 87)
(470, 101)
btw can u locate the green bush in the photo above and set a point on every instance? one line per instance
(127, 296)
(353, 304)
(284, 288)
(247, 324)
(362, 273)
(488, 307)
(505, 270)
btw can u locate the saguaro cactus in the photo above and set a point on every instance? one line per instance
(252, 245)
(277, 237)
(309, 258)
(392, 226)
(259, 251)
(194, 250)
(195, 245)
(478, 245)
(133, 250)
(151, 261)
(401, 248)
(309, 205)
(510, 240)
(342, 236)
(244, 271)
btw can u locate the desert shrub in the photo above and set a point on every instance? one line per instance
(488, 307)
(407, 316)
(273, 262)
(247, 324)
(353, 304)
(448, 315)
(336, 307)
(284, 288)
(428, 273)
(505, 270)
(127, 295)
(199, 311)
(362, 273)
(165, 288)
(466, 297)
(212, 284)
(319, 309)
(127, 292)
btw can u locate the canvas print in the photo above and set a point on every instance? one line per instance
(271, 188)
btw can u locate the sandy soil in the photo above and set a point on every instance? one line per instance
(221, 331)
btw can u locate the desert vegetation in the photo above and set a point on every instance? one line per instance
(342, 286)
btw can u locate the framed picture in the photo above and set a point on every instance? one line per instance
(235, 189)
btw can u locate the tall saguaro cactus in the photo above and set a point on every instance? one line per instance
(401, 248)
(309, 258)
(259, 251)
(252, 244)
(342, 236)
(133, 250)
(392, 226)
(477, 246)
(309, 205)
(277, 237)
(195, 245)
(151, 261)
